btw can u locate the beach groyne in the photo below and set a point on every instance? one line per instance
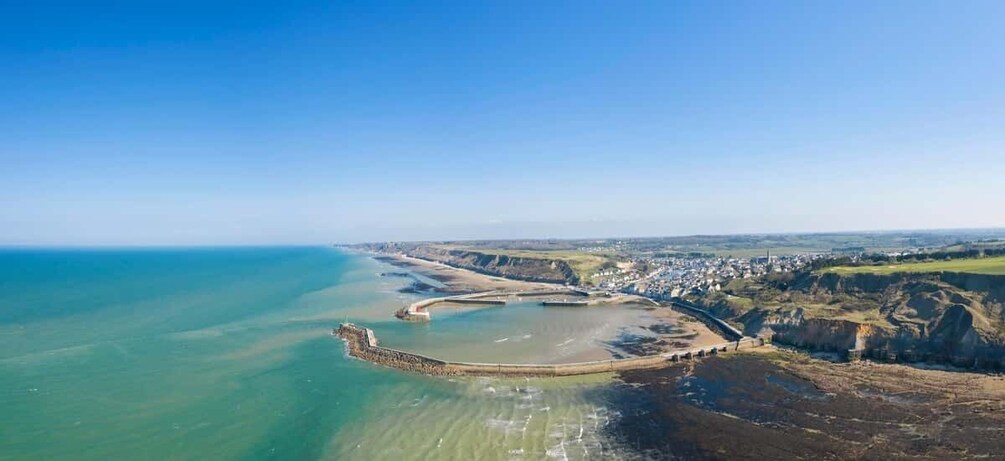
(362, 343)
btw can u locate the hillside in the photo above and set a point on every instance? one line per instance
(583, 265)
(950, 317)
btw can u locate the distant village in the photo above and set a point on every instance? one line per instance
(660, 269)
(675, 275)
(670, 277)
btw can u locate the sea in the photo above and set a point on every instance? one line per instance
(227, 353)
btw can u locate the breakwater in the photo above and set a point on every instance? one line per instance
(362, 343)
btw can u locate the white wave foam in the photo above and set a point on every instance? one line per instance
(565, 343)
(504, 425)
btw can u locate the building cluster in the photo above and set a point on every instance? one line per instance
(670, 277)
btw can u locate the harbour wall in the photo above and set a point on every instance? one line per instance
(362, 343)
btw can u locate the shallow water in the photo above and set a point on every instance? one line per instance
(519, 332)
(226, 353)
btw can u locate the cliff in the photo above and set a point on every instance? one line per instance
(547, 270)
(944, 317)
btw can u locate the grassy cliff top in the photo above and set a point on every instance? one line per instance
(990, 266)
(584, 264)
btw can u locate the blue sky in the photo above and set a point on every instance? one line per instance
(133, 123)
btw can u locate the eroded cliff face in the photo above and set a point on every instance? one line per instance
(949, 317)
(825, 334)
(519, 268)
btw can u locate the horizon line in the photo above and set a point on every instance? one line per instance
(112, 246)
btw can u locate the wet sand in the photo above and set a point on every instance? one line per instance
(785, 405)
(665, 330)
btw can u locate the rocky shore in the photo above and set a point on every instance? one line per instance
(790, 406)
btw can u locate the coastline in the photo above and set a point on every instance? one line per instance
(456, 280)
(701, 410)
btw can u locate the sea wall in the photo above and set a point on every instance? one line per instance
(362, 343)
(716, 324)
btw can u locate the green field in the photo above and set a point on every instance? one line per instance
(757, 252)
(992, 266)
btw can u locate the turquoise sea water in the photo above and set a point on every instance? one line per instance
(226, 354)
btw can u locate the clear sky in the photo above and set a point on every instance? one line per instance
(301, 122)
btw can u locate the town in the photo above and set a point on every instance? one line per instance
(668, 277)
